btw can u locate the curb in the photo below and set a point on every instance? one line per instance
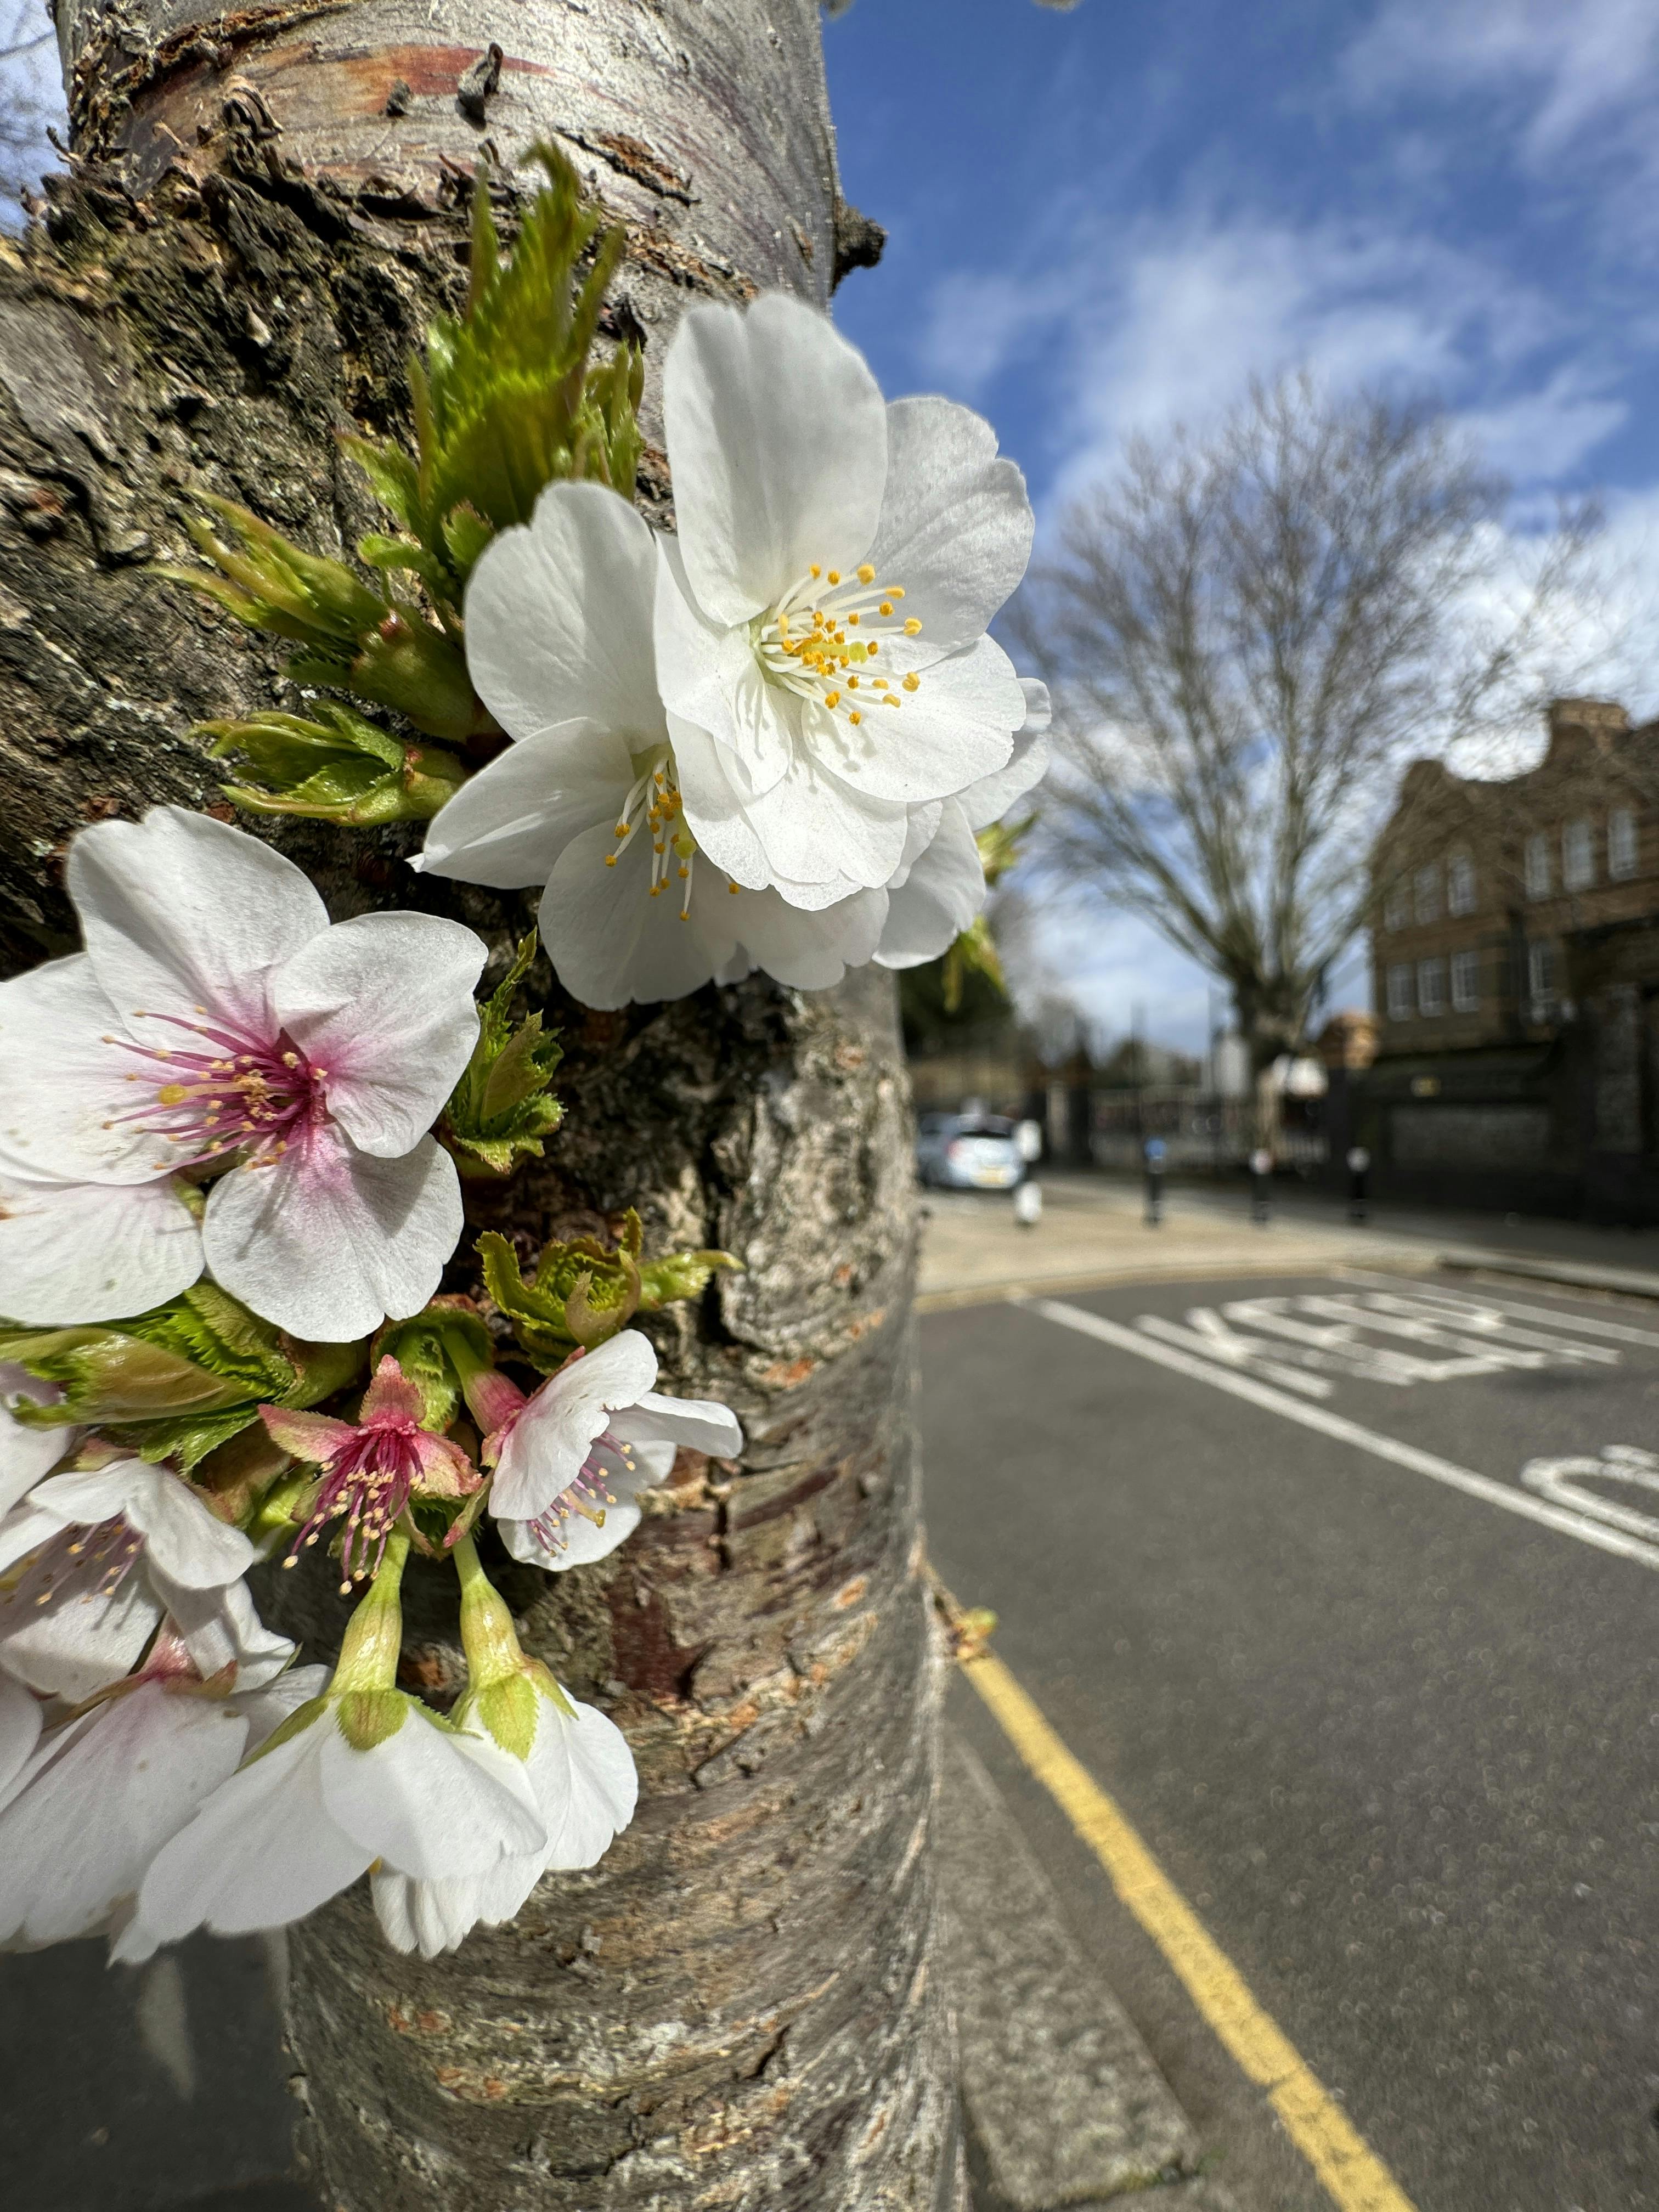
(1575, 1274)
(1064, 2104)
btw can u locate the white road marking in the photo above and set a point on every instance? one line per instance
(1467, 1305)
(1566, 1521)
(1553, 1477)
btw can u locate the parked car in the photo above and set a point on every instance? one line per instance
(968, 1151)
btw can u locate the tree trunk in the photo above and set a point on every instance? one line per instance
(733, 2008)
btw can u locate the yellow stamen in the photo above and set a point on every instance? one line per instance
(912, 683)
(912, 626)
(886, 607)
(855, 716)
(866, 574)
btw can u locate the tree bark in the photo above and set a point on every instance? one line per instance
(734, 2008)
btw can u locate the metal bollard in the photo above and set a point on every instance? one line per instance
(1261, 1168)
(1359, 1161)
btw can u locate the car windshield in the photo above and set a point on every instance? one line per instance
(984, 1125)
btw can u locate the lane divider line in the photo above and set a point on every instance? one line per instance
(1561, 1518)
(1352, 2175)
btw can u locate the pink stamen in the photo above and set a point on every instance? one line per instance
(82, 1562)
(369, 1481)
(253, 1095)
(588, 1495)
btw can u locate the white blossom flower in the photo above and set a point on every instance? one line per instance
(100, 1794)
(74, 1252)
(217, 1021)
(570, 1460)
(821, 615)
(351, 1779)
(20, 1731)
(586, 803)
(27, 1454)
(932, 901)
(89, 1562)
(583, 1777)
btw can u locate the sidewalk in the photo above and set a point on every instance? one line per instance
(1093, 1232)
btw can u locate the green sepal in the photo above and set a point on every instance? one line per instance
(368, 1718)
(427, 1347)
(506, 1708)
(302, 1718)
(583, 1291)
(975, 953)
(501, 1108)
(337, 768)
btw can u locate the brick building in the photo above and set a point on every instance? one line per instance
(1515, 959)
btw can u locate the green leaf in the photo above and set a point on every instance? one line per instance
(583, 1291)
(191, 1439)
(337, 768)
(501, 1108)
(679, 1275)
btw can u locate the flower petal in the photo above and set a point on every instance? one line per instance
(329, 1240)
(956, 727)
(261, 1851)
(188, 1541)
(27, 1454)
(702, 1424)
(809, 950)
(272, 1703)
(709, 677)
(546, 1445)
(777, 438)
(391, 1393)
(76, 1841)
(585, 1780)
(583, 1543)
(385, 1004)
(989, 799)
(312, 1436)
(611, 942)
(430, 1800)
(955, 523)
(220, 1628)
(63, 1101)
(71, 1650)
(814, 827)
(182, 913)
(558, 618)
(507, 825)
(940, 897)
(20, 1731)
(76, 1252)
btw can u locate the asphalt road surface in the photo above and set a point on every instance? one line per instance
(1346, 1588)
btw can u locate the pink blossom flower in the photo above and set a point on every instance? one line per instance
(371, 1467)
(218, 1022)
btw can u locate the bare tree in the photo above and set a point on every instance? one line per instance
(1247, 633)
(25, 150)
(263, 210)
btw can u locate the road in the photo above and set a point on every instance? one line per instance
(1389, 1722)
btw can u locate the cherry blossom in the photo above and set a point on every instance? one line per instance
(90, 1561)
(371, 1467)
(217, 1022)
(570, 1460)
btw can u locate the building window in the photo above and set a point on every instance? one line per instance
(1397, 907)
(1578, 857)
(1538, 866)
(1460, 884)
(1426, 893)
(1399, 992)
(1431, 986)
(1540, 981)
(1621, 842)
(1465, 982)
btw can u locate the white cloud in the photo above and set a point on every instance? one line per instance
(1574, 82)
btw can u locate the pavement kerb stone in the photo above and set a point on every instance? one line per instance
(1065, 2106)
(1571, 1274)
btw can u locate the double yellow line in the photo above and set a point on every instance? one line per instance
(1355, 2179)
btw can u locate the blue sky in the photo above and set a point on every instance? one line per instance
(1104, 219)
